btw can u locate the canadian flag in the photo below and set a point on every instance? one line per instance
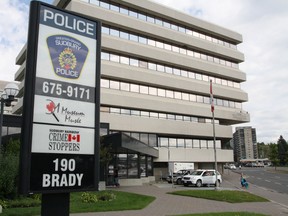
(211, 97)
(72, 137)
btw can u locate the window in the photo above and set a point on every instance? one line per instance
(161, 92)
(152, 91)
(114, 32)
(104, 83)
(124, 35)
(163, 142)
(180, 143)
(132, 14)
(134, 62)
(135, 112)
(133, 37)
(196, 144)
(114, 58)
(172, 142)
(134, 88)
(143, 40)
(143, 64)
(114, 85)
(105, 56)
(124, 86)
(144, 89)
(188, 143)
(142, 17)
(124, 60)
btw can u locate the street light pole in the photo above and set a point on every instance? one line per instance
(6, 98)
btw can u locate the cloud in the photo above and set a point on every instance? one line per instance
(13, 34)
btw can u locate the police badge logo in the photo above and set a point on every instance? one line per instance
(68, 55)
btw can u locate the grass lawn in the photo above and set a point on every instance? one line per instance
(222, 195)
(123, 201)
(226, 214)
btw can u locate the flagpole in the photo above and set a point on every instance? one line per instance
(214, 136)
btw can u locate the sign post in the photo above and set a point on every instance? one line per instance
(60, 131)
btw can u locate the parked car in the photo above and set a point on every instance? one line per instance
(202, 177)
(232, 167)
(177, 177)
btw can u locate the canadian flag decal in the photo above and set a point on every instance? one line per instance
(75, 138)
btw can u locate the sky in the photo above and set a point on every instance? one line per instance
(262, 23)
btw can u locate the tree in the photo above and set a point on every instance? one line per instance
(105, 157)
(263, 150)
(273, 156)
(282, 150)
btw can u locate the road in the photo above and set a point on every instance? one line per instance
(268, 179)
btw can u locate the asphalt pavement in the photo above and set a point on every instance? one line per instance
(167, 204)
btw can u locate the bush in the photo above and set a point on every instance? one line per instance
(8, 176)
(3, 203)
(87, 197)
(9, 166)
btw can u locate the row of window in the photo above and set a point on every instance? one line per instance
(159, 21)
(153, 141)
(187, 143)
(165, 69)
(169, 47)
(142, 89)
(157, 115)
(148, 139)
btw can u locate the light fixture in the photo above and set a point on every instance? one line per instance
(8, 95)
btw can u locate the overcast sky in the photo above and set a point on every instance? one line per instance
(263, 24)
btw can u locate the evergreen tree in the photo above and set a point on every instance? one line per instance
(282, 150)
(273, 155)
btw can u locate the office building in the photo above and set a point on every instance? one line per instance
(156, 68)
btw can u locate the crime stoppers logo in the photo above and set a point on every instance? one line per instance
(68, 55)
(64, 140)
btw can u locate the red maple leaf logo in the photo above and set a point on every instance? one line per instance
(50, 107)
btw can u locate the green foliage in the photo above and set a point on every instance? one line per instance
(87, 197)
(273, 155)
(9, 176)
(263, 150)
(9, 166)
(282, 150)
(3, 203)
(23, 202)
(13, 147)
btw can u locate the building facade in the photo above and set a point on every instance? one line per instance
(245, 143)
(155, 72)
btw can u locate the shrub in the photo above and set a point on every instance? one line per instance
(3, 203)
(88, 197)
(8, 176)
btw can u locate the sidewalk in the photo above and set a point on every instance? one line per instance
(166, 204)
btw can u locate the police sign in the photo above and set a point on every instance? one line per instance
(60, 132)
